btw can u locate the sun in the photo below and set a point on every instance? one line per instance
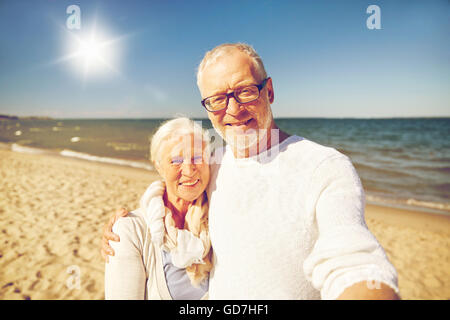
(91, 53)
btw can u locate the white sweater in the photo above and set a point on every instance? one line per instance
(291, 227)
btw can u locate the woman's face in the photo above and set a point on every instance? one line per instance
(184, 167)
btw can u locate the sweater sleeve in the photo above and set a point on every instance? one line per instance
(125, 275)
(345, 252)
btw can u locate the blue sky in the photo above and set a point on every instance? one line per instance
(323, 59)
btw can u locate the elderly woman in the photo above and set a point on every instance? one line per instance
(164, 250)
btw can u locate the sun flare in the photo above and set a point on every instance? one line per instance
(92, 53)
(90, 50)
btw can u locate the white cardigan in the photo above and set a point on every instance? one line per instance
(136, 271)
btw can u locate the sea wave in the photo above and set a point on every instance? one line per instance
(89, 157)
(440, 169)
(124, 146)
(442, 159)
(80, 155)
(382, 172)
(389, 149)
(22, 149)
(411, 203)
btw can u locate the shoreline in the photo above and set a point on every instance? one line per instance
(140, 164)
(53, 208)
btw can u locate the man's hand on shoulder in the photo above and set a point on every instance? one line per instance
(106, 249)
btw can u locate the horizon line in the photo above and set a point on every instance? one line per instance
(275, 118)
(12, 117)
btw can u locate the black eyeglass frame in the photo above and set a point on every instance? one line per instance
(233, 94)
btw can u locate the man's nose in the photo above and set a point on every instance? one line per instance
(234, 107)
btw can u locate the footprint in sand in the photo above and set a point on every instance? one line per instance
(9, 284)
(91, 286)
(47, 249)
(31, 287)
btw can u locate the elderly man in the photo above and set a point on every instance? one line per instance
(286, 214)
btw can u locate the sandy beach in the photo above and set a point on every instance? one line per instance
(52, 210)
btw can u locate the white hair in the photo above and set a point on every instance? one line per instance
(212, 56)
(175, 128)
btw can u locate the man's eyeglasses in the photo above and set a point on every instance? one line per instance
(242, 95)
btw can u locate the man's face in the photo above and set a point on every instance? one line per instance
(231, 71)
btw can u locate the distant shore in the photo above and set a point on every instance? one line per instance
(52, 210)
(9, 117)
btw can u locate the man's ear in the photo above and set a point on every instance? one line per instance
(270, 92)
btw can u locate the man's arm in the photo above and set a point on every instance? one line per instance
(361, 291)
(108, 234)
(346, 260)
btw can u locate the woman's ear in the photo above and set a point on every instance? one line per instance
(157, 166)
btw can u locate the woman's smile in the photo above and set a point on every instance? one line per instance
(189, 184)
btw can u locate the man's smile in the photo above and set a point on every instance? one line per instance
(239, 123)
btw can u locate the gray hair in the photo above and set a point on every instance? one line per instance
(214, 54)
(175, 128)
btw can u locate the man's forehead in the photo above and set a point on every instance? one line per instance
(227, 72)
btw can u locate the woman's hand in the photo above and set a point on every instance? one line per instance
(109, 235)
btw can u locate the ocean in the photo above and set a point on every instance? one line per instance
(401, 162)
